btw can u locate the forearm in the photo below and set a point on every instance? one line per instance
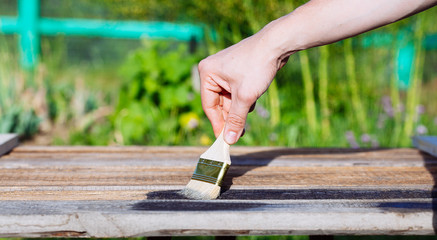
(321, 22)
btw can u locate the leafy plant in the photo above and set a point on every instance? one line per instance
(157, 104)
(17, 120)
(16, 116)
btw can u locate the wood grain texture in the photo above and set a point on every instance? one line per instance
(133, 191)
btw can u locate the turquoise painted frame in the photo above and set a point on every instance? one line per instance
(30, 26)
(405, 51)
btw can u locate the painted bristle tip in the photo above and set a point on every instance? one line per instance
(201, 190)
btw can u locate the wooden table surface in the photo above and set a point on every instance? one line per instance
(133, 191)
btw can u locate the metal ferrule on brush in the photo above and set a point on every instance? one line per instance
(210, 171)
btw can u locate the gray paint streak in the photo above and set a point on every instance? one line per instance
(220, 217)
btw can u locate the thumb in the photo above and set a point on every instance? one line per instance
(235, 121)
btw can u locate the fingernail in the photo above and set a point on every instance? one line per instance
(231, 137)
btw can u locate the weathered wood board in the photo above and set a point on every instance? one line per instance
(7, 142)
(132, 191)
(426, 143)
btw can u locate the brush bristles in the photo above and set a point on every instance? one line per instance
(201, 190)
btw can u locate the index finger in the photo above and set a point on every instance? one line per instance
(211, 95)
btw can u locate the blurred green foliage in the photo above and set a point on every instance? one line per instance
(15, 114)
(17, 120)
(344, 94)
(157, 102)
(233, 20)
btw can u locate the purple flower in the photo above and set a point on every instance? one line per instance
(273, 137)
(421, 130)
(365, 138)
(420, 109)
(262, 112)
(381, 121)
(350, 137)
(375, 143)
(387, 106)
(401, 107)
(193, 123)
(190, 96)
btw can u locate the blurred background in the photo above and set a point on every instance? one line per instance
(84, 79)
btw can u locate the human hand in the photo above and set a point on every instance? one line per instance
(231, 82)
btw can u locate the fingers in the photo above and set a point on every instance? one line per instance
(212, 102)
(236, 120)
(221, 107)
(222, 104)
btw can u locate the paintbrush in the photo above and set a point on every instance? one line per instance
(210, 171)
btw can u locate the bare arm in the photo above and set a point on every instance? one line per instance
(234, 78)
(321, 22)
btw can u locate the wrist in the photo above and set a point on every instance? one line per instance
(277, 41)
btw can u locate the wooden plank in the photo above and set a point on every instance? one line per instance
(7, 142)
(426, 143)
(222, 217)
(133, 191)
